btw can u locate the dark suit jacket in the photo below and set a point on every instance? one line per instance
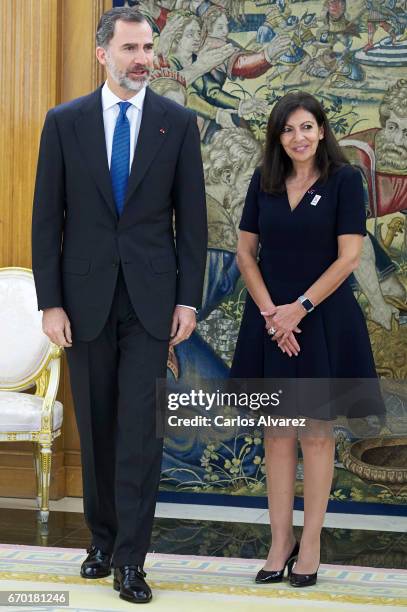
(79, 242)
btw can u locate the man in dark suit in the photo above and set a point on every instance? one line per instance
(115, 169)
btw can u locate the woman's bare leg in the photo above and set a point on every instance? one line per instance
(318, 453)
(281, 463)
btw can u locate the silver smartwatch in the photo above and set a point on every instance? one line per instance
(307, 304)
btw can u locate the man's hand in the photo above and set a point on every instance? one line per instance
(56, 325)
(183, 324)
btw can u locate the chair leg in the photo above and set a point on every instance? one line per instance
(46, 456)
(37, 468)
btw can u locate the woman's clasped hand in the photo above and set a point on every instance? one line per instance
(281, 324)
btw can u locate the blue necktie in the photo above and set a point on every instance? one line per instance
(119, 163)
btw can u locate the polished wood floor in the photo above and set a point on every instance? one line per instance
(369, 548)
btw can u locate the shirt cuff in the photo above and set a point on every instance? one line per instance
(190, 307)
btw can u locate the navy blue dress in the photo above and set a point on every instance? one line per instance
(296, 247)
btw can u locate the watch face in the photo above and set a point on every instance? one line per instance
(308, 305)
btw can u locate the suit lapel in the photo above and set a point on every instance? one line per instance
(153, 131)
(91, 137)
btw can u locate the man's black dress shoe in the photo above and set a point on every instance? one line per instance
(303, 580)
(266, 577)
(97, 564)
(129, 580)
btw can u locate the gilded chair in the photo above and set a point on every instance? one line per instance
(28, 360)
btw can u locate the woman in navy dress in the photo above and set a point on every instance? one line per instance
(305, 208)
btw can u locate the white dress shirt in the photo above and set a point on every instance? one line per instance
(110, 105)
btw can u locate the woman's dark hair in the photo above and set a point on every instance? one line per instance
(277, 165)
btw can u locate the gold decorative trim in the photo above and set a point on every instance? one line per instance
(221, 590)
(26, 436)
(42, 383)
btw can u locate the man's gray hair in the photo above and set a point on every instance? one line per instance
(107, 23)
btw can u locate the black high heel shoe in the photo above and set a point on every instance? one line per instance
(303, 580)
(265, 577)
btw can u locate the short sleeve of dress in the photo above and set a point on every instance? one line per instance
(351, 214)
(250, 215)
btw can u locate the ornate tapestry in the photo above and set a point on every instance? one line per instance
(230, 61)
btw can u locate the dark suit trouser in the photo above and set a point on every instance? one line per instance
(113, 385)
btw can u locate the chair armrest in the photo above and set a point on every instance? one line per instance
(51, 391)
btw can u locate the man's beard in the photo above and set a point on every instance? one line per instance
(390, 156)
(125, 81)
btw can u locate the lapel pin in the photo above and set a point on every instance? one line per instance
(315, 200)
(162, 130)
